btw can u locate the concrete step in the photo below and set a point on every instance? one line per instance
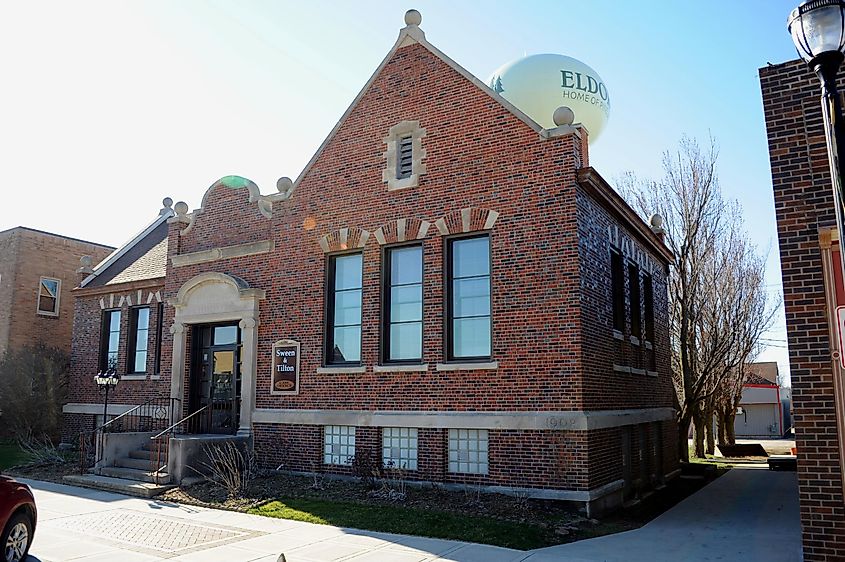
(145, 455)
(134, 474)
(120, 485)
(138, 464)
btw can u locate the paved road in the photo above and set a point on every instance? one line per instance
(748, 514)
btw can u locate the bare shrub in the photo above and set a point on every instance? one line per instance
(229, 467)
(41, 452)
(366, 468)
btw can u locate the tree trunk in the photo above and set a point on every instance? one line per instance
(721, 430)
(698, 434)
(683, 438)
(730, 420)
(708, 428)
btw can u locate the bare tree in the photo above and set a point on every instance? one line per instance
(718, 305)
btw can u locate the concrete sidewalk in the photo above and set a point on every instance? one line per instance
(748, 514)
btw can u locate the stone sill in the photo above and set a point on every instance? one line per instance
(486, 366)
(618, 335)
(136, 377)
(411, 368)
(341, 370)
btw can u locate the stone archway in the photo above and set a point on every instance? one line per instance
(212, 298)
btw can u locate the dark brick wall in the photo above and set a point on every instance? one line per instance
(804, 204)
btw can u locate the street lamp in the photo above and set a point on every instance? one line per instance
(106, 381)
(818, 31)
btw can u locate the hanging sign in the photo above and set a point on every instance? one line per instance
(284, 378)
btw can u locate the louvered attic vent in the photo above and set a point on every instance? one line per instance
(406, 157)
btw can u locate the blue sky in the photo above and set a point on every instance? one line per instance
(107, 107)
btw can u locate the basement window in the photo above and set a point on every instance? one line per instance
(399, 447)
(468, 451)
(339, 444)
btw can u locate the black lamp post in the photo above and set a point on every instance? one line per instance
(818, 31)
(106, 381)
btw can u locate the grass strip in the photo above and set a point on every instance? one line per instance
(409, 521)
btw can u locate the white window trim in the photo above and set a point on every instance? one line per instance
(466, 437)
(58, 297)
(397, 132)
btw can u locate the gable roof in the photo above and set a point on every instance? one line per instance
(409, 35)
(144, 256)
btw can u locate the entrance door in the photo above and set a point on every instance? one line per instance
(215, 382)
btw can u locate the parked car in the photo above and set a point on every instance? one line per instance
(17, 519)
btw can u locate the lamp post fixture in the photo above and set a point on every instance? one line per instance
(818, 31)
(106, 381)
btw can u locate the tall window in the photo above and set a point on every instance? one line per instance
(48, 296)
(636, 310)
(469, 324)
(109, 339)
(402, 337)
(617, 283)
(648, 298)
(343, 326)
(139, 331)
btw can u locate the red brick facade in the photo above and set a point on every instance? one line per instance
(560, 389)
(804, 207)
(27, 255)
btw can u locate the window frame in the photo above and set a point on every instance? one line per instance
(385, 303)
(55, 311)
(648, 303)
(449, 304)
(617, 290)
(132, 340)
(635, 293)
(329, 307)
(105, 332)
(159, 337)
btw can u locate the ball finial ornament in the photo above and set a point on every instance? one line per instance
(563, 115)
(86, 261)
(167, 202)
(656, 222)
(181, 208)
(413, 17)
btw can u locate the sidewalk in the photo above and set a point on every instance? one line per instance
(748, 514)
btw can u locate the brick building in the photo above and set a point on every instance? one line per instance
(447, 287)
(37, 274)
(809, 254)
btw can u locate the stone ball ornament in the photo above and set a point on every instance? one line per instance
(413, 17)
(539, 85)
(563, 115)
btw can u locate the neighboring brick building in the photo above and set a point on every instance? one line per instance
(37, 273)
(809, 254)
(447, 287)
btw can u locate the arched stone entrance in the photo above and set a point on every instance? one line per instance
(217, 298)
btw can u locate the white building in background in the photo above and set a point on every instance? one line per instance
(760, 411)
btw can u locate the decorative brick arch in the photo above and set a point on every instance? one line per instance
(210, 298)
(346, 238)
(466, 220)
(402, 230)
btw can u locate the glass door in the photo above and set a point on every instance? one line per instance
(215, 379)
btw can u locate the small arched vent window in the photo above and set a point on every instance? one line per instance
(404, 155)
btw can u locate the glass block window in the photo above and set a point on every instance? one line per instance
(339, 444)
(468, 451)
(403, 300)
(399, 447)
(48, 296)
(469, 298)
(343, 329)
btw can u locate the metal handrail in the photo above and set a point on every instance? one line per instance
(138, 407)
(183, 420)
